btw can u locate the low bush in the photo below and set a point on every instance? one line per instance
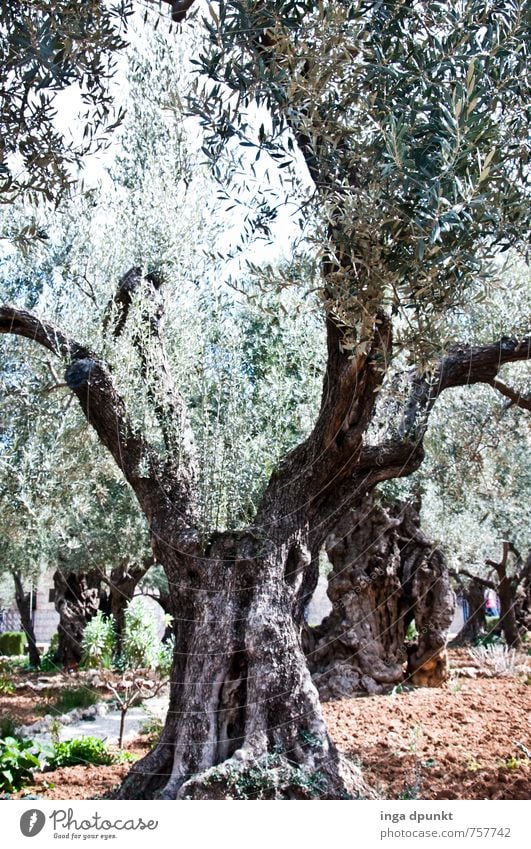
(99, 641)
(6, 686)
(13, 643)
(18, 761)
(497, 661)
(79, 752)
(75, 697)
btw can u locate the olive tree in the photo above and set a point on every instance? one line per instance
(410, 122)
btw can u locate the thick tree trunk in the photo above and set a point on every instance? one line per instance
(385, 574)
(475, 624)
(23, 601)
(244, 719)
(508, 623)
(77, 600)
(522, 600)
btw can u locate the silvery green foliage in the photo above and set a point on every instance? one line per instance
(48, 49)
(411, 119)
(477, 470)
(98, 642)
(248, 367)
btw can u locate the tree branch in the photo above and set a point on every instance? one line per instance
(490, 585)
(169, 407)
(89, 379)
(179, 9)
(516, 398)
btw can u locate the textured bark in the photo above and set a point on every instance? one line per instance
(385, 574)
(522, 606)
(23, 600)
(244, 718)
(77, 600)
(513, 586)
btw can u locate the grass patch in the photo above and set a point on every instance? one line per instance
(75, 697)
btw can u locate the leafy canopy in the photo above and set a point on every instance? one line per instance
(47, 48)
(412, 121)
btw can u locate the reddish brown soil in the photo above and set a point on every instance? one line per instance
(458, 741)
(452, 742)
(83, 782)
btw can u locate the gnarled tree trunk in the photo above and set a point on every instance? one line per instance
(385, 574)
(23, 600)
(244, 717)
(77, 600)
(475, 623)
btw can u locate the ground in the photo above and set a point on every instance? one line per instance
(457, 741)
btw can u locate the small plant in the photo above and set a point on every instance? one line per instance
(497, 661)
(8, 727)
(472, 764)
(99, 641)
(7, 688)
(17, 763)
(514, 763)
(75, 697)
(411, 633)
(48, 660)
(55, 730)
(79, 752)
(141, 643)
(142, 649)
(152, 728)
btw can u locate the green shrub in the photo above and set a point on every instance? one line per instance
(6, 686)
(99, 640)
(141, 644)
(48, 660)
(75, 697)
(79, 752)
(411, 633)
(13, 643)
(152, 727)
(17, 763)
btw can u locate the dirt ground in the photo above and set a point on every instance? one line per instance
(457, 741)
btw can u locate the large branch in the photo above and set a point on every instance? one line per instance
(89, 379)
(325, 462)
(142, 291)
(515, 397)
(403, 455)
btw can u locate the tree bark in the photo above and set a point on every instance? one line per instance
(77, 600)
(507, 589)
(23, 600)
(244, 719)
(385, 573)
